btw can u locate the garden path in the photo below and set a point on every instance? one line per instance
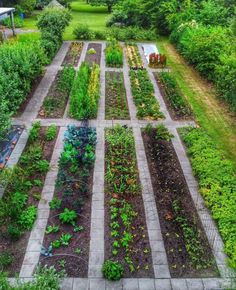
(162, 278)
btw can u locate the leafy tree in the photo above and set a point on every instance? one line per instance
(108, 3)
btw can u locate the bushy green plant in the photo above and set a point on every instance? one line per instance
(28, 217)
(34, 131)
(52, 23)
(114, 54)
(68, 216)
(55, 203)
(83, 32)
(162, 133)
(5, 259)
(5, 121)
(112, 270)
(51, 132)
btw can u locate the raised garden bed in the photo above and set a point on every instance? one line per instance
(54, 104)
(93, 53)
(126, 237)
(18, 207)
(114, 54)
(187, 248)
(73, 55)
(134, 58)
(67, 237)
(8, 144)
(175, 101)
(116, 101)
(144, 96)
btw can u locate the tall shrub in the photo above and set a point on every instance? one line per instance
(52, 23)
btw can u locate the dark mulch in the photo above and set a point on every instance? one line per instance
(175, 113)
(139, 232)
(169, 184)
(34, 86)
(60, 103)
(73, 55)
(76, 265)
(116, 101)
(94, 58)
(8, 144)
(18, 248)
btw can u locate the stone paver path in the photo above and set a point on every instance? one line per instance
(162, 279)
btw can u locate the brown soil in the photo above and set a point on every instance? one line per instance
(18, 248)
(169, 185)
(139, 232)
(30, 95)
(175, 113)
(73, 55)
(116, 101)
(94, 58)
(60, 97)
(76, 265)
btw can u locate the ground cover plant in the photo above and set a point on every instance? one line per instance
(85, 93)
(18, 207)
(66, 243)
(217, 184)
(133, 55)
(116, 101)
(143, 95)
(114, 54)
(176, 102)
(188, 251)
(93, 54)
(73, 55)
(55, 102)
(127, 249)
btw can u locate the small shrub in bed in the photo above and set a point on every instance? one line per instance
(112, 270)
(83, 32)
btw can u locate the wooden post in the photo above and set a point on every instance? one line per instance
(12, 23)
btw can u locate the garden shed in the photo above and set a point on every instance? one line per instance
(8, 12)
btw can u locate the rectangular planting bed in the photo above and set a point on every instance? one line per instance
(55, 102)
(187, 248)
(134, 57)
(67, 236)
(126, 237)
(18, 207)
(144, 96)
(93, 53)
(116, 101)
(175, 101)
(73, 54)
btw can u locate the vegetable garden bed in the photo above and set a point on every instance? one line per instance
(18, 207)
(144, 96)
(67, 235)
(134, 58)
(8, 144)
(54, 104)
(116, 101)
(73, 55)
(93, 54)
(175, 101)
(126, 237)
(187, 248)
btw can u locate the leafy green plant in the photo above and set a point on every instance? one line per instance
(5, 259)
(34, 131)
(52, 229)
(83, 32)
(27, 217)
(51, 132)
(14, 231)
(162, 133)
(112, 270)
(55, 203)
(56, 244)
(68, 216)
(78, 251)
(65, 239)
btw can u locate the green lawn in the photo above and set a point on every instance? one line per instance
(94, 17)
(209, 112)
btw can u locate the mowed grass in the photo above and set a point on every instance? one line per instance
(210, 113)
(82, 13)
